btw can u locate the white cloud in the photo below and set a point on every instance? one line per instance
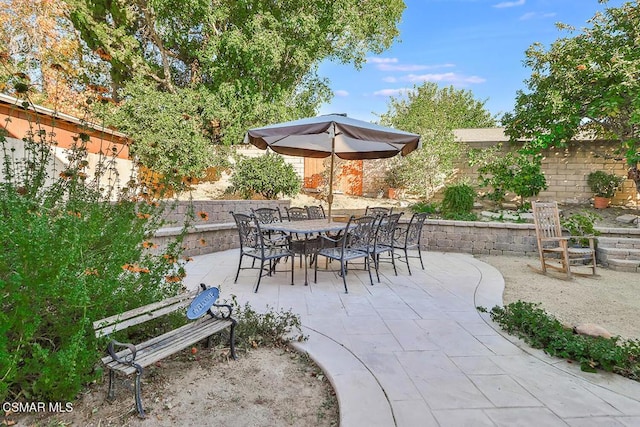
(509, 4)
(391, 92)
(378, 60)
(390, 79)
(534, 15)
(340, 92)
(452, 78)
(410, 67)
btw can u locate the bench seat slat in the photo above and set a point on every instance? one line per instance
(169, 343)
(145, 313)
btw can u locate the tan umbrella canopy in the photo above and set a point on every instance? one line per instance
(333, 135)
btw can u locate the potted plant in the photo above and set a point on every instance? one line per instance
(396, 179)
(604, 186)
(581, 226)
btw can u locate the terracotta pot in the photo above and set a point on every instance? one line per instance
(394, 193)
(601, 202)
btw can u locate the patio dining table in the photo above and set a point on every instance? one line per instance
(307, 228)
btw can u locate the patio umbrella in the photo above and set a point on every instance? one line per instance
(333, 135)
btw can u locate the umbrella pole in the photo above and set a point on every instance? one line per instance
(333, 153)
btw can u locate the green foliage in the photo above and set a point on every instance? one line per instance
(581, 224)
(266, 175)
(397, 176)
(458, 202)
(271, 328)
(586, 84)
(541, 330)
(424, 207)
(518, 173)
(70, 255)
(433, 113)
(604, 184)
(220, 68)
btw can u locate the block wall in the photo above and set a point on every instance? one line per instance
(218, 232)
(566, 171)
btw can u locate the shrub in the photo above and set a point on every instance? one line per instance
(424, 207)
(520, 174)
(458, 202)
(604, 184)
(397, 175)
(581, 224)
(541, 330)
(272, 328)
(70, 255)
(266, 175)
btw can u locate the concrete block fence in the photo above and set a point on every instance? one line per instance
(218, 232)
(479, 238)
(215, 233)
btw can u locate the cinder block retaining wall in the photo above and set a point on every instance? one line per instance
(493, 238)
(479, 238)
(474, 237)
(218, 232)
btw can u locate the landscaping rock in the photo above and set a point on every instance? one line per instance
(627, 219)
(511, 216)
(592, 330)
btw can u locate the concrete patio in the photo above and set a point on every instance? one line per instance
(414, 351)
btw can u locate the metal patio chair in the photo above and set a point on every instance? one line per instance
(384, 239)
(354, 244)
(296, 214)
(315, 212)
(253, 245)
(377, 210)
(267, 215)
(409, 236)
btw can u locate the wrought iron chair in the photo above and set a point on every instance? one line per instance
(354, 244)
(296, 214)
(300, 246)
(384, 239)
(553, 248)
(253, 245)
(315, 212)
(409, 237)
(267, 215)
(377, 210)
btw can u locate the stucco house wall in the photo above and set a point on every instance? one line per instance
(105, 146)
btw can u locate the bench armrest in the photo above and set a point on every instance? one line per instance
(128, 359)
(220, 314)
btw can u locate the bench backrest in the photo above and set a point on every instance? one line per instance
(140, 315)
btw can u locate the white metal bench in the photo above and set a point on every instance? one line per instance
(133, 358)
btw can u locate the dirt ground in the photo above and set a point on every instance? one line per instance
(279, 387)
(264, 387)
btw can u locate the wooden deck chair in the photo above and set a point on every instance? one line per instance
(554, 248)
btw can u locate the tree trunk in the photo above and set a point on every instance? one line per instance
(634, 174)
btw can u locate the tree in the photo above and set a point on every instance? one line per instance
(519, 173)
(433, 113)
(588, 83)
(230, 65)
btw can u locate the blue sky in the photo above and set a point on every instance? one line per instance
(476, 45)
